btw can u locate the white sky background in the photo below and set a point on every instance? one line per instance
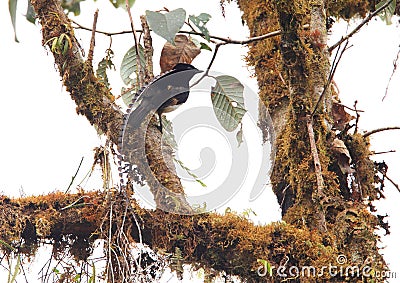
(43, 139)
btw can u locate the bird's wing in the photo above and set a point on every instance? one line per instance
(154, 95)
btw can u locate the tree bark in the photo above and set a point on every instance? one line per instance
(292, 73)
(95, 101)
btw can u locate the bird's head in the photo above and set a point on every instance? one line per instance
(184, 67)
(183, 73)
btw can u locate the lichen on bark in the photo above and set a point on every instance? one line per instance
(292, 71)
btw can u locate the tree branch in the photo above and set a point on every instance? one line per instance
(92, 41)
(93, 98)
(382, 152)
(148, 49)
(223, 39)
(138, 63)
(391, 181)
(393, 72)
(380, 130)
(217, 46)
(365, 21)
(226, 243)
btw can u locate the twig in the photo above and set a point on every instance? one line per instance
(214, 56)
(92, 40)
(335, 63)
(148, 49)
(109, 249)
(75, 203)
(382, 152)
(391, 181)
(79, 26)
(391, 76)
(23, 272)
(317, 168)
(314, 153)
(383, 172)
(217, 46)
(349, 108)
(354, 31)
(380, 130)
(357, 117)
(249, 40)
(129, 206)
(73, 177)
(224, 39)
(139, 66)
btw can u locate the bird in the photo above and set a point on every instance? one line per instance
(164, 94)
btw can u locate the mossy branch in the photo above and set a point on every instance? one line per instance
(228, 243)
(93, 99)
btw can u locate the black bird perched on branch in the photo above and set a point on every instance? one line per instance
(164, 94)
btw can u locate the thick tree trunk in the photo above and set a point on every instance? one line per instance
(292, 73)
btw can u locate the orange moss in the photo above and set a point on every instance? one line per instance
(296, 59)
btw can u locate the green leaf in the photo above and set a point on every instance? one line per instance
(228, 102)
(30, 13)
(56, 271)
(168, 133)
(72, 6)
(121, 3)
(199, 44)
(205, 46)
(166, 25)
(129, 64)
(6, 245)
(200, 21)
(387, 13)
(104, 64)
(92, 278)
(195, 177)
(247, 212)
(204, 17)
(16, 269)
(12, 8)
(266, 265)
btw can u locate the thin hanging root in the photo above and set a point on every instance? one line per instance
(318, 173)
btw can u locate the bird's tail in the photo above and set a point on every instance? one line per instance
(138, 116)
